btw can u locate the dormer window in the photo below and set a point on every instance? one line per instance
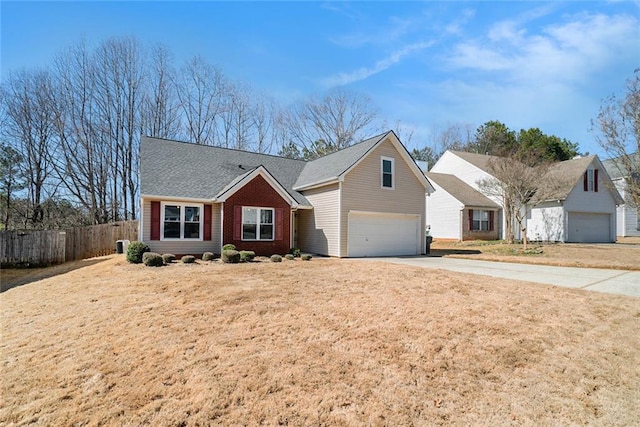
(387, 172)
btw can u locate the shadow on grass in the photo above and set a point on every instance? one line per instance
(13, 277)
(438, 253)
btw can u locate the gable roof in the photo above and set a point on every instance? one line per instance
(569, 173)
(461, 191)
(333, 167)
(330, 167)
(192, 171)
(201, 172)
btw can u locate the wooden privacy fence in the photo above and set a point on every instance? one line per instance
(97, 240)
(32, 247)
(43, 247)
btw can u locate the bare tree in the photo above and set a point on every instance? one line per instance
(118, 98)
(27, 98)
(201, 88)
(81, 163)
(11, 180)
(521, 184)
(160, 106)
(338, 119)
(617, 130)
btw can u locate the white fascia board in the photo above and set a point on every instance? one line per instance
(267, 177)
(318, 184)
(391, 136)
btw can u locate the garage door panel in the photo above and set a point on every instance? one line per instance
(379, 234)
(589, 227)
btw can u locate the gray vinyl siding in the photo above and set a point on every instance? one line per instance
(318, 227)
(362, 190)
(183, 247)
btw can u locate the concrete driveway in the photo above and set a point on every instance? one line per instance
(621, 282)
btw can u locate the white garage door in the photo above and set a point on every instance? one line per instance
(589, 227)
(382, 234)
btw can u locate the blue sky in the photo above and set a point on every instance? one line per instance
(425, 64)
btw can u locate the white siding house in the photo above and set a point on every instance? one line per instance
(581, 209)
(627, 216)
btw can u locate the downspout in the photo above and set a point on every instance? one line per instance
(140, 221)
(221, 226)
(340, 223)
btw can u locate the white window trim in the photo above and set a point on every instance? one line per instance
(273, 224)
(591, 177)
(480, 221)
(393, 172)
(200, 206)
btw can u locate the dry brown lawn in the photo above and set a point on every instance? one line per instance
(326, 342)
(625, 255)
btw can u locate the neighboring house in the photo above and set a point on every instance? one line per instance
(628, 217)
(471, 169)
(455, 210)
(583, 209)
(365, 200)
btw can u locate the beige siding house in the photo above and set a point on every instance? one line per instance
(365, 200)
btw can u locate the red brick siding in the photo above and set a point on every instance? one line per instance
(468, 234)
(258, 193)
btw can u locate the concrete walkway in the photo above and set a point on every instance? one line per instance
(621, 282)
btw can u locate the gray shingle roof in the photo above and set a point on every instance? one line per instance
(462, 191)
(180, 169)
(567, 174)
(333, 165)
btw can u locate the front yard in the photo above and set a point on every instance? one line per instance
(625, 255)
(326, 342)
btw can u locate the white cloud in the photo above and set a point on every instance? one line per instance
(569, 51)
(381, 65)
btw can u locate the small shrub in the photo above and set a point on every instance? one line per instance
(207, 256)
(229, 247)
(295, 252)
(306, 257)
(152, 259)
(230, 256)
(188, 259)
(168, 258)
(135, 251)
(276, 258)
(290, 257)
(247, 256)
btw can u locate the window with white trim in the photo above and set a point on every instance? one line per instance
(181, 221)
(480, 220)
(257, 223)
(386, 170)
(590, 180)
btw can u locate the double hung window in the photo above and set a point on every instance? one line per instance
(181, 221)
(387, 172)
(480, 221)
(257, 223)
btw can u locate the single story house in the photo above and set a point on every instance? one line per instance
(627, 216)
(364, 200)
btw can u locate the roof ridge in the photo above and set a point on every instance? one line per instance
(224, 148)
